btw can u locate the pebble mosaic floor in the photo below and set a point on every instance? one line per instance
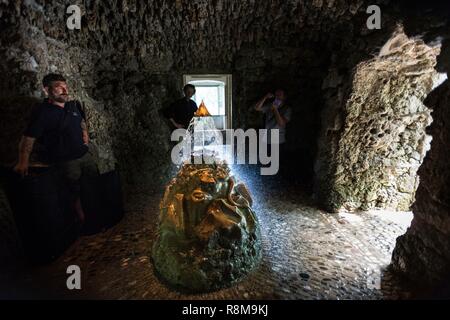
(307, 254)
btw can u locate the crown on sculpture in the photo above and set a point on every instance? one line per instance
(202, 111)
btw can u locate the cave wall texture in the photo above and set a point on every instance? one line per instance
(383, 141)
(342, 169)
(423, 253)
(127, 62)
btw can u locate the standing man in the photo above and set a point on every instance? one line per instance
(181, 112)
(277, 115)
(59, 127)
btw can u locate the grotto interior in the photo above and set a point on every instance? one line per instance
(360, 208)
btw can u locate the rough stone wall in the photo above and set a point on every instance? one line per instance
(338, 84)
(383, 141)
(336, 87)
(29, 51)
(127, 61)
(423, 253)
(262, 70)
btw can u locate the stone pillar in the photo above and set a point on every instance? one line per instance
(383, 142)
(423, 253)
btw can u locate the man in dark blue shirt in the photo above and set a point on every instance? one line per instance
(58, 129)
(181, 112)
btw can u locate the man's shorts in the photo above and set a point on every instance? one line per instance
(73, 170)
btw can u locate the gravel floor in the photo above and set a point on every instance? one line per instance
(307, 254)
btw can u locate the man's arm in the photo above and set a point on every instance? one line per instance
(85, 131)
(84, 127)
(177, 125)
(169, 113)
(281, 120)
(260, 103)
(25, 148)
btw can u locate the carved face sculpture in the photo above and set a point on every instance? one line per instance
(205, 200)
(207, 188)
(208, 235)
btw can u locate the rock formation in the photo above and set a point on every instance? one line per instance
(208, 234)
(423, 253)
(383, 141)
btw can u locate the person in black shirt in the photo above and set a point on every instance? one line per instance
(58, 128)
(181, 112)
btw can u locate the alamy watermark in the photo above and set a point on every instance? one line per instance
(374, 21)
(74, 20)
(74, 280)
(207, 146)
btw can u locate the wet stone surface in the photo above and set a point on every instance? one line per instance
(307, 254)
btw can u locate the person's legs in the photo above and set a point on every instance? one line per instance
(89, 168)
(71, 172)
(89, 165)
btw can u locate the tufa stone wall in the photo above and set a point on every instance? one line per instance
(423, 253)
(126, 63)
(382, 141)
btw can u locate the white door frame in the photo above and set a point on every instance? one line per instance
(225, 78)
